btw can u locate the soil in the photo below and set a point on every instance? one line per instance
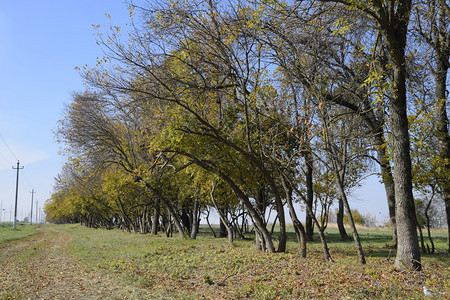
(40, 267)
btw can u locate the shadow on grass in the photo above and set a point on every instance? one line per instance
(377, 243)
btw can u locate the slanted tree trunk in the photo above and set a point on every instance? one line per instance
(356, 239)
(169, 207)
(209, 224)
(326, 251)
(282, 238)
(258, 221)
(260, 243)
(298, 227)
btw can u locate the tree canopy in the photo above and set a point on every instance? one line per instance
(247, 107)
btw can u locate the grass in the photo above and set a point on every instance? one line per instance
(210, 268)
(174, 268)
(7, 233)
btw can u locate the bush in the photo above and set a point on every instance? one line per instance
(358, 218)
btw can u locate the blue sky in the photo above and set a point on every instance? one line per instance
(42, 42)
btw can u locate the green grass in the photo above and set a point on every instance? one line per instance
(7, 233)
(175, 268)
(209, 267)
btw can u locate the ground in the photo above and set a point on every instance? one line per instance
(39, 267)
(74, 262)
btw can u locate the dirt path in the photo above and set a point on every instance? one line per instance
(39, 267)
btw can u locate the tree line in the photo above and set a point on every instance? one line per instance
(248, 107)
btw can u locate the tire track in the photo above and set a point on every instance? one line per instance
(39, 267)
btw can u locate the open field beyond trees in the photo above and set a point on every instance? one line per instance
(75, 262)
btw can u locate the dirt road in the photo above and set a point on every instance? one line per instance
(40, 267)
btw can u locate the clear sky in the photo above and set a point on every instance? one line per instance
(41, 44)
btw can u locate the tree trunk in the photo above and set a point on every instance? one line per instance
(258, 221)
(176, 220)
(356, 239)
(422, 243)
(392, 18)
(223, 217)
(282, 239)
(169, 207)
(440, 77)
(195, 220)
(209, 224)
(340, 221)
(428, 226)
(323, 240)
(408, 252)
(223, 229)
(298, 227)
(376, 128)
(155, 218)
(274, 224)
(260, 241)
(186, 217)
(388, 182)
(326, 251)
(143, 220)
(309, 196)
(447, 210)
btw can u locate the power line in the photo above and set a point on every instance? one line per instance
(26, 179)
(7, 146)
(4, 157)
(25, 175)
(12, 153)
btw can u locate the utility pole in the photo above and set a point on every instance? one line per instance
(31, 215)
(36, 210)
(17, 193)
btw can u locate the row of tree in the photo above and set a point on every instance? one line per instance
(250, 106)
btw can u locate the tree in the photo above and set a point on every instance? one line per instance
(356, 216)
(211, 74)
(338, 48)
(432, 26)
(344, 157)
(105, 132)
(391, 19)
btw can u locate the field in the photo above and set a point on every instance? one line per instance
(22, 231)
(74, 262)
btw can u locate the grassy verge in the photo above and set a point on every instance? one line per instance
(209, 268)
(7, 233)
